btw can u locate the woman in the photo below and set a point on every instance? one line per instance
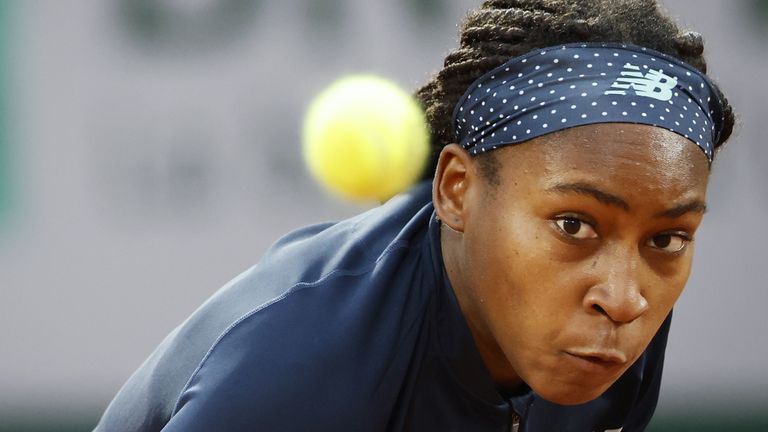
(528, 287)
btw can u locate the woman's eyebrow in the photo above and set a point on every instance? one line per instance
(590, 190)
(695, 206)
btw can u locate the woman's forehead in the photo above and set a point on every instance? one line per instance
(620, 153)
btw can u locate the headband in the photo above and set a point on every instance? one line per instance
(561, 87)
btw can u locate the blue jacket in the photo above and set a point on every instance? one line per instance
(351, 326)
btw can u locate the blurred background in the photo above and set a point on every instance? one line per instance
(150, 151)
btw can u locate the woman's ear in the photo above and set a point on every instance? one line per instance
(453, 179)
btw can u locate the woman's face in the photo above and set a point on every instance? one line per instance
(566, 269)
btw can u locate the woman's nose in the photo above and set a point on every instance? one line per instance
(618, 293)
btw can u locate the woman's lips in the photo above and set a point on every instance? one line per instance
(597, 360)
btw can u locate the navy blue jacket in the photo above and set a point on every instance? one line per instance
(351, 326)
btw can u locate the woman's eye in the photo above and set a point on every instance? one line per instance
(575, 228)
(670, 243)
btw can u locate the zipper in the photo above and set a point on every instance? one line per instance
(515, 422)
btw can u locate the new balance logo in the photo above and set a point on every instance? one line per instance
(654, 84)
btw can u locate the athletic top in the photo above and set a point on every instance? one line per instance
(352, 326)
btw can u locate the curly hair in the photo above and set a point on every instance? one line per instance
(501, 29)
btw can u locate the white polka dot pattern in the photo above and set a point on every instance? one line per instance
(561, 87)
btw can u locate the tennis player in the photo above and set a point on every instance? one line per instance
(526, 285)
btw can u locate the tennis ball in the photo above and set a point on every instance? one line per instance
(365, 138)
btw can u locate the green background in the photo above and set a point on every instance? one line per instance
(5, 174)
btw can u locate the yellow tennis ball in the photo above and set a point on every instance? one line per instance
(365, 138)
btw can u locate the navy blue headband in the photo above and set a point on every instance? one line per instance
(560, 87)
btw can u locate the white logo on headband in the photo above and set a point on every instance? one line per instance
(654, 84)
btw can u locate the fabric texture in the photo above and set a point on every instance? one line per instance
(561, 87)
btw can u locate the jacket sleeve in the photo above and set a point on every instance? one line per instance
(290, 368)
(145, 401)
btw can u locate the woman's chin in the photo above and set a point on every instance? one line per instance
(569, 394)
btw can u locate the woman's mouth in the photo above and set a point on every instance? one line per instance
(597, 361)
